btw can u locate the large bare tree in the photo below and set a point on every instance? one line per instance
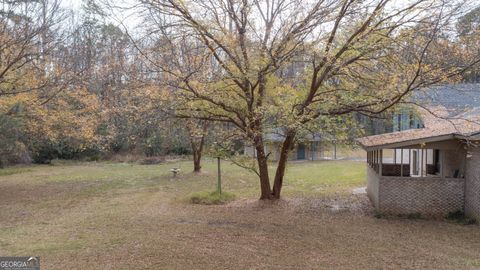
(28, 37)
(341, 56)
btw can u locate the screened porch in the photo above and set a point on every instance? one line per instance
(417, 162)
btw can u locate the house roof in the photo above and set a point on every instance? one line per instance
(450, 112)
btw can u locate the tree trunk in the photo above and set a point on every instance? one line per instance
(262, 158)
(266, 191)
(282, 164)
(197, 146)
(197, 156)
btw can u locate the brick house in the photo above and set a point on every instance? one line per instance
(431, 170)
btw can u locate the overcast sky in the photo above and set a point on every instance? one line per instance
(73, 4)
(130, 18)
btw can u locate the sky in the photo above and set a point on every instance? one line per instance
(71, 4)
(130, 18)
(127, 19)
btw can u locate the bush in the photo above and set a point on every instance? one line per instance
(208, 198)
(45, 152)
(410, 216)
(459, 217)
(414, 216)
(153, 146)
(455, 215)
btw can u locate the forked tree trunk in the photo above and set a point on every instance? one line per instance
(197, 156)
(282, 164)
(197, 148)
(266, 191)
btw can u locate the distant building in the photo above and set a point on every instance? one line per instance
(309, 148)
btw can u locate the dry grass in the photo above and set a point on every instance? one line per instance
(121, 216)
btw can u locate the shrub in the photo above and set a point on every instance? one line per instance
(414, 216)
(459, 217)
(456, 215)
(410, 215)
(153, 146)
(208, 198)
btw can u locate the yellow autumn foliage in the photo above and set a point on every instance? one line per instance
(70, 116)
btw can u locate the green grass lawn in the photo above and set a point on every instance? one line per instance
(126, 216)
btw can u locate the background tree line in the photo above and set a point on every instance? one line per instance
(72, 86)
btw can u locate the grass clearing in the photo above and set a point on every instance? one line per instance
(13, 170)
(124, 216)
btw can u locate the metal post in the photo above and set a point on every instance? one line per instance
(378, 161)
(410, 163)
(421, 163)
(370, 158)
(219, 181)
(401, 163)
(335, 151)
(395, 156)
(425, 167)
(442, 164)
(424, 160)
(381, 163)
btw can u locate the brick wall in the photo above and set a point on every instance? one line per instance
(472, 185)
(430, 196)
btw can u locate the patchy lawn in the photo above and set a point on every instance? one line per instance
(123, 216)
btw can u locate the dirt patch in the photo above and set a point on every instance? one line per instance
(356, 205)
